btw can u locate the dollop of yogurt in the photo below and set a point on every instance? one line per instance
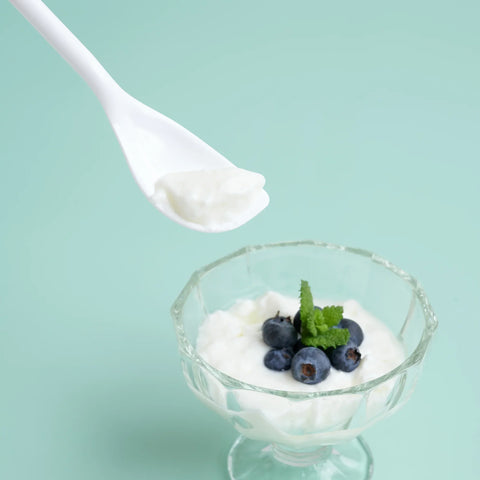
(217, 200)
(231, 341)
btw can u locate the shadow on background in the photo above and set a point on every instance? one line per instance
(138, 444)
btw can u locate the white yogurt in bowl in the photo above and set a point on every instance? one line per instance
(231, 341)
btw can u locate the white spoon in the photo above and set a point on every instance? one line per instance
(186, 179)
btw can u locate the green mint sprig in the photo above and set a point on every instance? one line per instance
(317, 325)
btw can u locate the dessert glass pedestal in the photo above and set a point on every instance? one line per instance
(276, 441)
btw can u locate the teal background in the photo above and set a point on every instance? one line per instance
(364, 118)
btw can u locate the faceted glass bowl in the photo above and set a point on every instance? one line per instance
(287, 434)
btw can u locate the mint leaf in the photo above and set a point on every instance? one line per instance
(333, 338)
(307, 308)
(332, 315)
(317, 325)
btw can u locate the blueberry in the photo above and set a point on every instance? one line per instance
(278, 359)
(356, 333)
(345, 357)
(298, 345)
(297, 321)
(310, 365)
(278, 332)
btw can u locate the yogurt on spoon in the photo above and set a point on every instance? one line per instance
(211, 200)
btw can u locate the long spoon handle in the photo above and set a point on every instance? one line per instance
(70, 48)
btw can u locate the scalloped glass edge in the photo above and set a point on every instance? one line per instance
(414, 358)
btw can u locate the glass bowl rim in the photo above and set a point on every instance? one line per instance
(415, 357)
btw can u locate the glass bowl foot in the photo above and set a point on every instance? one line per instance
(256, 460)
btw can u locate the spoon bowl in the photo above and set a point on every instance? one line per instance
(157, 147)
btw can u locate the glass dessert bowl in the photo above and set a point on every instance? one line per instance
(304, 433)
